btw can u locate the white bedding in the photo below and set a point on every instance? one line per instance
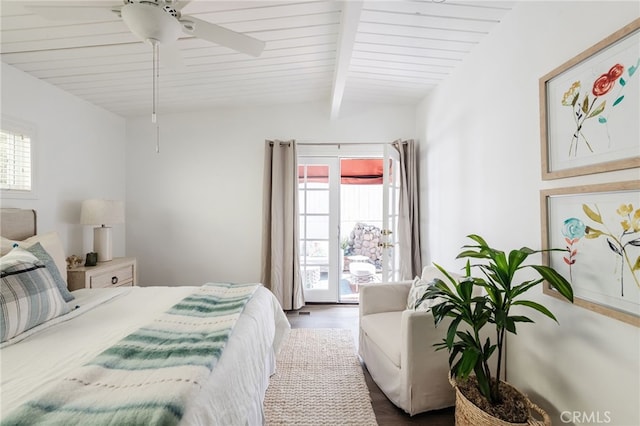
(233, 394)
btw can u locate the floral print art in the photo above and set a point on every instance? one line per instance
(619, 241)
(591, 104)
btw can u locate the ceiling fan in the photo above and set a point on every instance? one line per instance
(158, 22)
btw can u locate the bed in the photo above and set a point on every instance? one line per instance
(38, 363)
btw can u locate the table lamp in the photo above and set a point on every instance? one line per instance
(103, 213)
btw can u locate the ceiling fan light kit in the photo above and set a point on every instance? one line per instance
(150, 22)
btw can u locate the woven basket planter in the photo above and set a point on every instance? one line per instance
(468, 414)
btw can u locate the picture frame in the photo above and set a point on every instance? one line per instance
(599, 226)
(589, 109)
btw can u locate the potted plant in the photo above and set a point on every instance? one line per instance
(470, 314)
(344, 247)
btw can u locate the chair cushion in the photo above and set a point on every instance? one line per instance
(361, 268)
(384, 330)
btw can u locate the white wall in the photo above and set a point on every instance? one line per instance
(79, 154)
(481, 151)
(194, 211)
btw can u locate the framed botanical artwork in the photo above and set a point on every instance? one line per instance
(599, 226)
(590, 109)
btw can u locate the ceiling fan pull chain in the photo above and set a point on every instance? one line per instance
(156, 76)
(154, 45)
(157, 139)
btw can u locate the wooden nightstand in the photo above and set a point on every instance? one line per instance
(121, 271)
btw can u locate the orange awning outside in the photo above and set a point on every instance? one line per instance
(353, 171)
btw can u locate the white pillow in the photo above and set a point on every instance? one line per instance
(6, 245)
(50, 242)
(418, 289)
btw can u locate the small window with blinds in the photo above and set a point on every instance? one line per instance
(16, 165)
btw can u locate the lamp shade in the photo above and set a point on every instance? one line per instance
(102, 212)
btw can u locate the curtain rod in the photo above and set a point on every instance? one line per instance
(337, 143)
(344, 143)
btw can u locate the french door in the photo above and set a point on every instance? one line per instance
(318, 184)
(335, 210)
(390, 214)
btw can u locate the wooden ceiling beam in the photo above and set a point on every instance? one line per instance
(348, 28)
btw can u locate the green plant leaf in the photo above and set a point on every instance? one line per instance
(538, 307)
(520, 318)
(598, 110)
(465, 290)
(500, 259)
(488, 349)
(522, 288)
(516, 257)
(591, 214)
(556, 281)
(478, 239)
(446, 274)
(451, 332)
(617, 101)
(495, 295)
(602, 120)
(500, 317)
(585, 104)
(484, 383)
(622, 83)
(468, 361)
(441, 311)
(472, 253)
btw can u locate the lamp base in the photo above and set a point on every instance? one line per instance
(102, 243)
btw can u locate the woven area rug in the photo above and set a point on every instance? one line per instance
(319, 381)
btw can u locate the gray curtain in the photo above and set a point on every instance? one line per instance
(409, 217)
(280, 250)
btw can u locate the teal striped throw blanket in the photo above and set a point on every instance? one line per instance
(148, 377)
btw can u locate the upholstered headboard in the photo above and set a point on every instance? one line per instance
(17, 224)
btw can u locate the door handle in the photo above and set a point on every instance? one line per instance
(386, 232)
(385, 245)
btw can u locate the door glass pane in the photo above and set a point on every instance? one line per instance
(310, 277)
(317, 252)
(317, 227)
(314, 176)
(318, 202)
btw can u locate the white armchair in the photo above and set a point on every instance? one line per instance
(396, 345)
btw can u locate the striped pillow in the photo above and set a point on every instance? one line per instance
(38, 251)
(28, 296)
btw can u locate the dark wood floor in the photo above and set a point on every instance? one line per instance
(346, 316)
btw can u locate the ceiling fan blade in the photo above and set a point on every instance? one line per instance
(179, 5)
(75, 13)
(222, 36)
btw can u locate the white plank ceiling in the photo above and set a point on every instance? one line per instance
(333, 51)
